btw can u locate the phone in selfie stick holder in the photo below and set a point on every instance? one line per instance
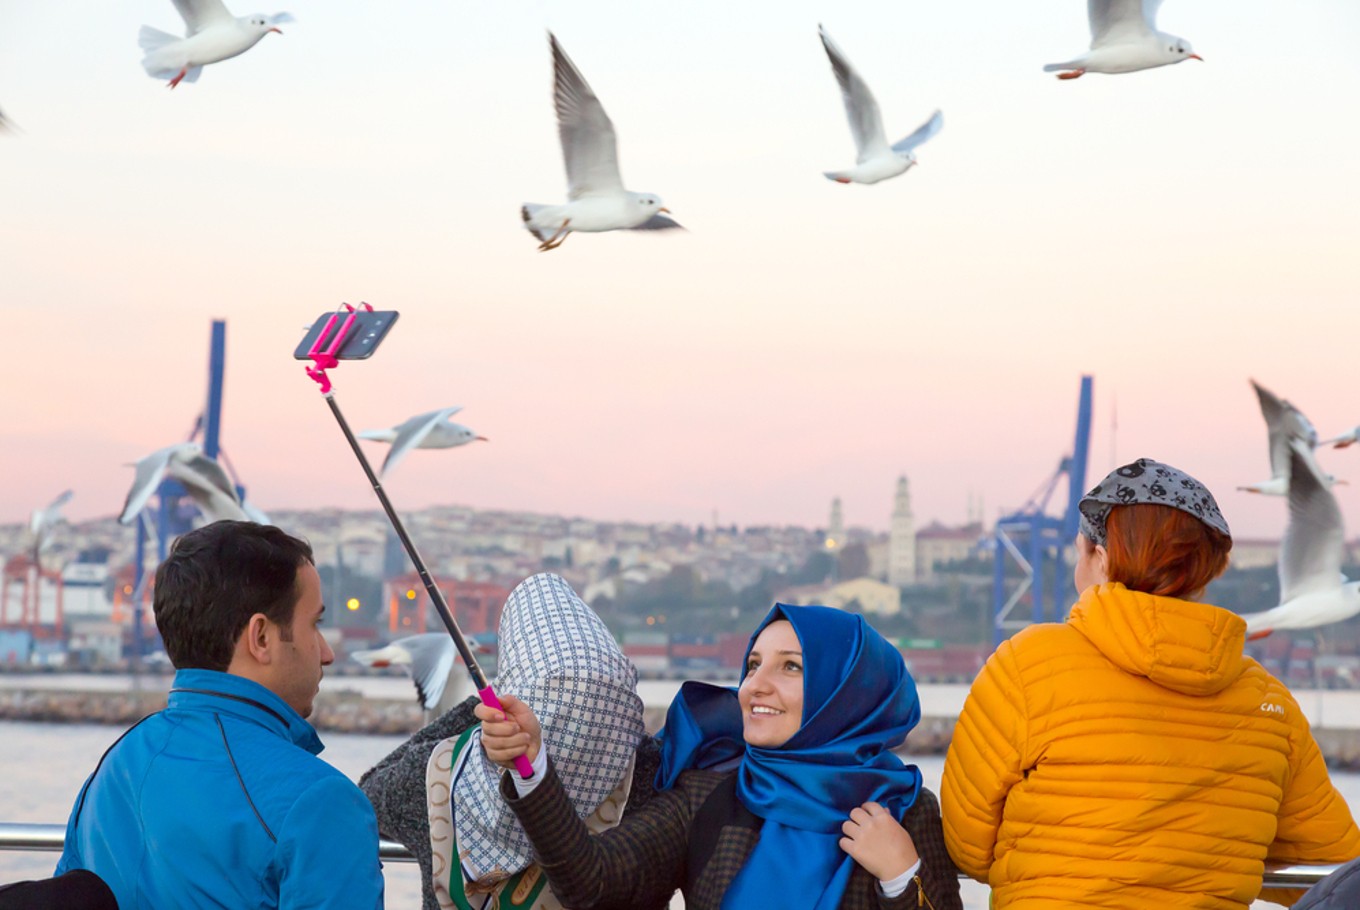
(353, 333)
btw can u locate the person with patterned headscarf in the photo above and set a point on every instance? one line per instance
(1132, 756)
(783, 792)
(437, 793)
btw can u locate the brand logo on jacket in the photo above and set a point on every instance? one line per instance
(1272, 709)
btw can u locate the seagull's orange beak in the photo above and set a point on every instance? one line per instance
(664, 209)
(480, 439)
(1195, 57)
(277, 30)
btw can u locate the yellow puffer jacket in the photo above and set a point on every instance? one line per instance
(1133, 757)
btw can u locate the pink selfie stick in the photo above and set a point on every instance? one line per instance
(324, 357)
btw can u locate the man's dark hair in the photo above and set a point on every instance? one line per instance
(215, 579)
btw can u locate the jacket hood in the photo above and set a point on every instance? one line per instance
(1188, 647)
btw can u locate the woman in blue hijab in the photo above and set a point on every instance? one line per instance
(783, 792)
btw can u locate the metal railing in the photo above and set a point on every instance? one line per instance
(49, 838)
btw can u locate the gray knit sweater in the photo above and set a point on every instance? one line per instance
(396, 787)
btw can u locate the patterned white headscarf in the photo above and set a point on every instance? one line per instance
(558, 657)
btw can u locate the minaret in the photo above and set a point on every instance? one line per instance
(835, 531)
(902, 539)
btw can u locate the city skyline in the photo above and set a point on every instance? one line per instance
(1173, 233)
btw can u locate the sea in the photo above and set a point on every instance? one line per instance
(43, 765)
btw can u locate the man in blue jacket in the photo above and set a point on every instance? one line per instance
(219, 800)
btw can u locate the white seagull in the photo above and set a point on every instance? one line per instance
(212, 34)
(424, 431)
(203, 478)
(1124, 39)
(1313, 591)
(440, 678)
(596, 198)
(43, 521)
(876, 160)
(1284, 423)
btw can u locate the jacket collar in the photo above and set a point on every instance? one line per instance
(226, 693)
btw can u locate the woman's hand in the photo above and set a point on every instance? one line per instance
(877, 842)
(509, 734)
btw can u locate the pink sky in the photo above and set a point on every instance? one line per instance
(1172, 232)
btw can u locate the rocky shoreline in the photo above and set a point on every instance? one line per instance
(350, 712)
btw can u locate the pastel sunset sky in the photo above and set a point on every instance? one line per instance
(1172, 232)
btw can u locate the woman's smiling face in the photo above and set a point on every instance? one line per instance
(771, 695)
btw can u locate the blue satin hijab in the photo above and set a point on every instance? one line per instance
(859, 702)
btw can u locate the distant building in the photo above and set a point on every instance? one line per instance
(835, 530)
(1253, 553)
(873, 596)
(902, 539)
(86, 585)
(937, 543)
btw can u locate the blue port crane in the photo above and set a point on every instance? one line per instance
(175, 510)
(1036, 541)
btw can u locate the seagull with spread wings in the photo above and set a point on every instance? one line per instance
(1313, 591)
(1124, 39)
(43, 521)
(212, 34)
(596, 198)
(440, 678)
(875, 159)
(424, 431)
(1284, 423)
(203, 478)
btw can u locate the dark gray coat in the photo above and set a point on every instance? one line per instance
(396, 787)
(1338, 891)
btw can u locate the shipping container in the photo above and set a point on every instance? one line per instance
(1277, 647)
(732, 648)
(695, 653)
(650, 666)
(16, 647)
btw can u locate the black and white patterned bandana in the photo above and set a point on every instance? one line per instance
(1148, 482)
(558, 657)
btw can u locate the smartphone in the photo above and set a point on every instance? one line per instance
(365, 333)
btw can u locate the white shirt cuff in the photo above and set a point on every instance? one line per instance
(525, 787)
(897, 885)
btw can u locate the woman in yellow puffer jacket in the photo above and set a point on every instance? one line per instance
(1133, 757)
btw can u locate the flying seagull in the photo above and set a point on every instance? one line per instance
(1284, 423)
(43, 521)
(424, 431)
(1313, 591)
(203, 478)
(440, 678)
(1124, 39)
(212, 34)
(596, 199)
(875, 160)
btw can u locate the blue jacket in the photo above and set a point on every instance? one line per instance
(220, 801)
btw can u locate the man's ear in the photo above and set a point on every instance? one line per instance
(1103, 561)
(258, 638)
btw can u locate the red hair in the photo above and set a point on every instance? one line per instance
(1161, 550)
